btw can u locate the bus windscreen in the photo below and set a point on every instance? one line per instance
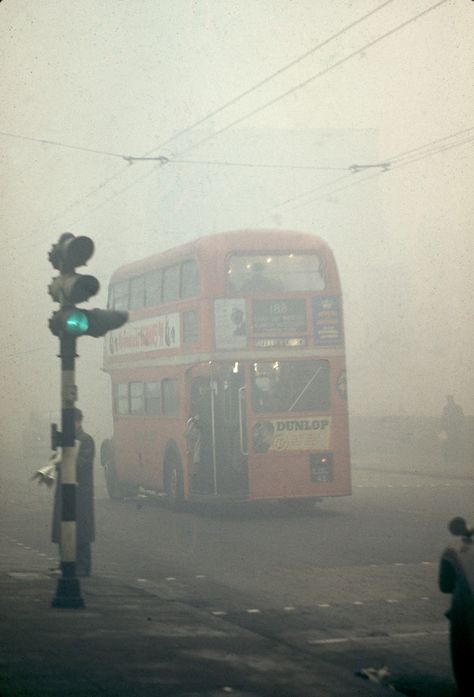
(290, 386)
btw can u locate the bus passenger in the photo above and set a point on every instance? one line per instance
(259, 282)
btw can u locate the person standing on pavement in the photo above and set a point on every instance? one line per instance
(85, 527)
(452, 423)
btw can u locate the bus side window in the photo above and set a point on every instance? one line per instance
(170, 397)
(171, 284)
(153, 288)
(152, 398)
(137, 293)
(137, 401)
(189, 279)
(119, 295)
(121, 399)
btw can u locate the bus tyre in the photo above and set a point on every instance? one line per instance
(112, 483)
(174, 486)
(462, 641)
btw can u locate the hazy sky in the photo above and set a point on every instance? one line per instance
(123, 77)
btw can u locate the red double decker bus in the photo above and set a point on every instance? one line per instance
(229, 379)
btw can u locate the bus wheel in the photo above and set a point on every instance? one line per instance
(112, 483)
(174, 485)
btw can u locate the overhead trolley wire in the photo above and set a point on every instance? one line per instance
(430, 144)
(270, 77)
(210, 115)
(225, 163)
(385, 165)
(61, 144)
(213, 113)
(163, 160)
(397, 165)
(311, 79)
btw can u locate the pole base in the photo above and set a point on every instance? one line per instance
(68, 593)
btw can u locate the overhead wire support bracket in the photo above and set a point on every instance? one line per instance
(162, 159)
(384, 166)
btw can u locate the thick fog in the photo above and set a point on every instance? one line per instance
(86, 84)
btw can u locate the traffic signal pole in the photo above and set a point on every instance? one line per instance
(69, 322)
(68, 591)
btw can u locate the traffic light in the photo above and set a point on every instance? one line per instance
(78, 322)
(70, 288)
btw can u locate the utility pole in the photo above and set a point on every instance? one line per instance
(69, 322)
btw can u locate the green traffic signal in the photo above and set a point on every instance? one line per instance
(76, 323)
(69, 288)
(73, 321)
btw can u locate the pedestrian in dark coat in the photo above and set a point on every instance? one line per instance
(85, 528)
(452, 423)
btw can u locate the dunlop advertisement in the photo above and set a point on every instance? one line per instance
(310, 433)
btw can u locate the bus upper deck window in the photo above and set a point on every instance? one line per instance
(275, 272)
(189, 279)
(119, 295)
(153, 288)
(171, 283)
(137, 293)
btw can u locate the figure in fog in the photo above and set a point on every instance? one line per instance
(452, 424)
(259, 282)
(85, 528)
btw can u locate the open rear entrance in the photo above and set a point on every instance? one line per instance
(217, 434)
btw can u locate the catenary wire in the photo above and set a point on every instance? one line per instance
(358, 181)
(270, 77)
(311, 79)
(209, 115)
(213, 113)
(61, 144)
(299, 86)
(261, 107)
(392, 161)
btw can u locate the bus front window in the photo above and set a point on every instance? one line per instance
(283, 386)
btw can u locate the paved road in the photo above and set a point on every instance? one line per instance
(354, 582)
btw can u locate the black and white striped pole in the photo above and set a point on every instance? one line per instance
(68, 592)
